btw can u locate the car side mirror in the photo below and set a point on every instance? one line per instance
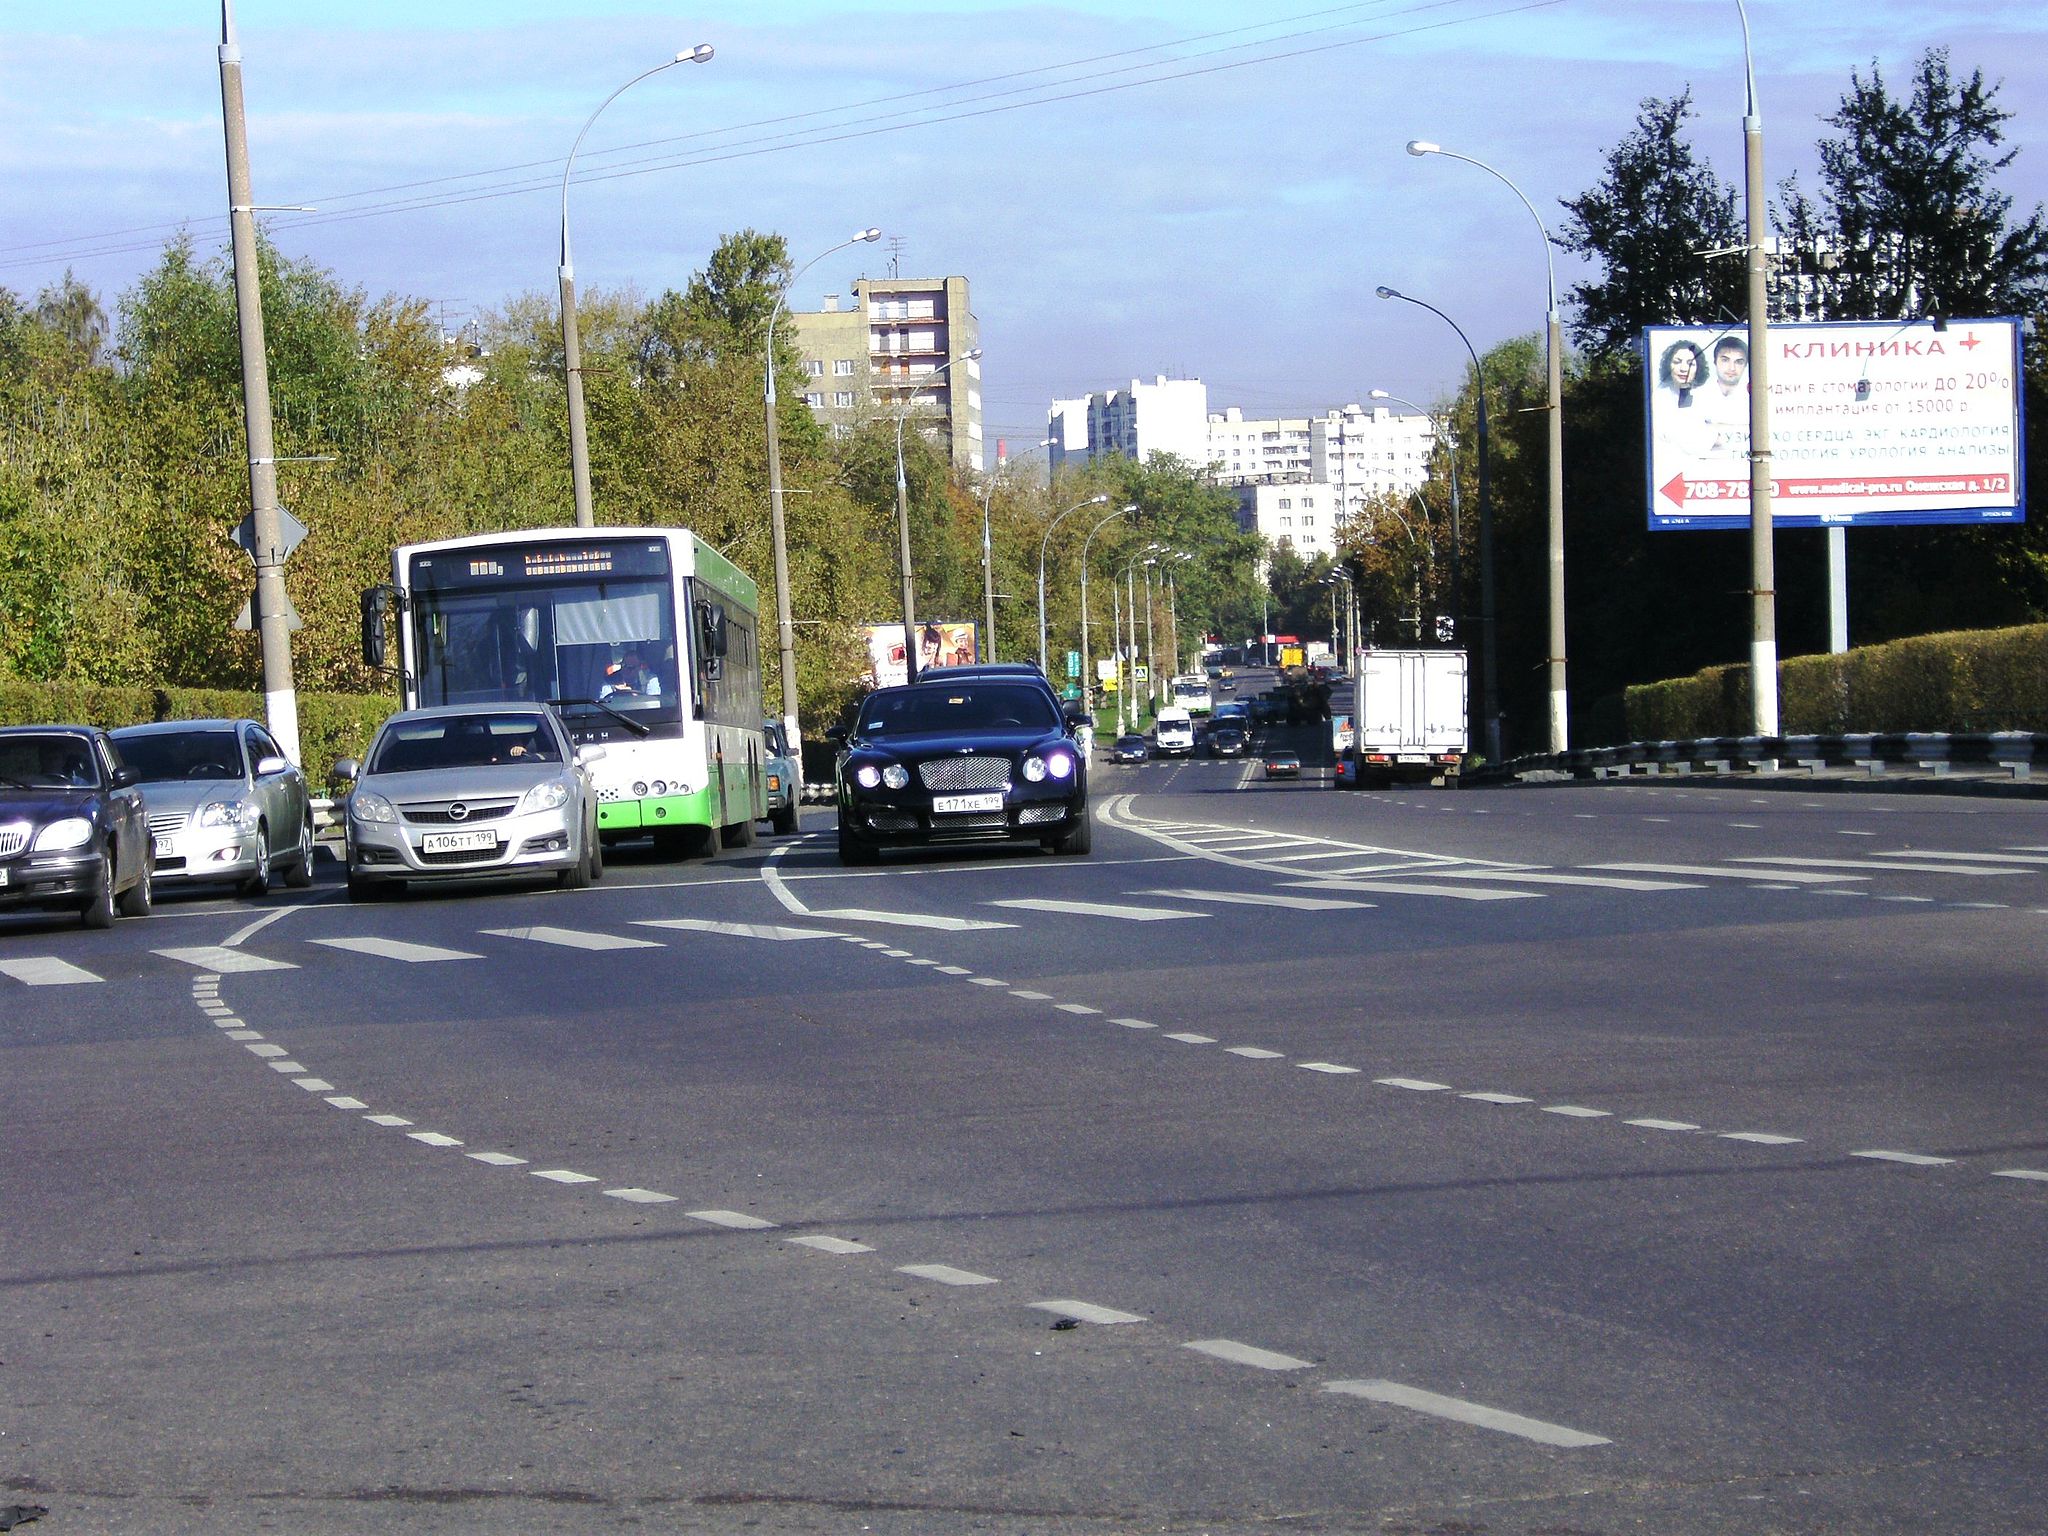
(585, 756)
(346, 770)
(266, 766)
(127, 778)
(836, 734)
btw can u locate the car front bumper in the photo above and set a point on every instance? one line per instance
(906, 818)
(50, 879)
(196, 853)
(538, 842)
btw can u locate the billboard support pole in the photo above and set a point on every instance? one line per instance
(1763, 643)
(1838, 589)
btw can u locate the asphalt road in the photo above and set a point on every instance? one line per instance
(1551, 1161)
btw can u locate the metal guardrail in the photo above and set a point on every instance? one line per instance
(1934, 752)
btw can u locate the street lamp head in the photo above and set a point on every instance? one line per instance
(1098, 498)
(696, 55)
(1129, 507)
(1386, 293)
(1377, 394)
(1424, 147)
(872, 233)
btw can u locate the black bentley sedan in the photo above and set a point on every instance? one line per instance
(72, 830)
(960, 760)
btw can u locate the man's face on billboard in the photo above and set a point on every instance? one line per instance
(1728, 364)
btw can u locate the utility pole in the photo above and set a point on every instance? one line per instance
(272, 609)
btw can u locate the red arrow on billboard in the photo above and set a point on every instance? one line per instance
(1680, 489)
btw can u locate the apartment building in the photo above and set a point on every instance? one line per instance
(900, 344)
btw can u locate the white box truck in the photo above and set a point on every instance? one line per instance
(1406, 720)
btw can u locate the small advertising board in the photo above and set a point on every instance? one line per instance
(1872, 424)
(941, 643)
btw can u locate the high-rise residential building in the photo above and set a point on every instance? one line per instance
(883, 353)
(1366, 453)
(1165, 416)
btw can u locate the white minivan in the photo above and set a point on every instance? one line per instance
(1173, 733)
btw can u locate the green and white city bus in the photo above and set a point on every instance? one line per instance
(645, 639)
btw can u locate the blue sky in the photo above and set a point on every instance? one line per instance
(1129, 193)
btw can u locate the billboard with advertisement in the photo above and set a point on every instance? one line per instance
(1872, 423)
(941, 643)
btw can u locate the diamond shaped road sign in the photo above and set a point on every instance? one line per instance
(290, 530)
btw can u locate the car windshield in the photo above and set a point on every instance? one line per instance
(482, 740)
(944, 710)
(48, 762)
(211, 753)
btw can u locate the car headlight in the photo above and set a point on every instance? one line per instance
(71, 832)
(365, 805)
(1055, 765)
(543, 797)
(896, 776)
(226, 813)
(867, 776)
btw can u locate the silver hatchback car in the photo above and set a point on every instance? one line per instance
(468, 790)
(224, 803)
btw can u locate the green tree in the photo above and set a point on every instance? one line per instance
(1655, 210)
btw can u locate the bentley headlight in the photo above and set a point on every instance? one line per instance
(1034, 768)
(71, 832)
(867, 776)
(896, 776)
(543, 797)
(366, 805)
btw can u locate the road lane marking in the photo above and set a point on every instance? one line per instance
(1248, 1354)
(1497, 1098)
(498, 1159)
(1336, 882)
(1330, 1067)
(1413, 1084)
(637, 1196)
(47, 971)
(1888, 863)
(387, 1120)
(776, 931)
(398, 949)
(313, 1084)
(1651, 1124)
(910, 919)
(564, 1176)
(1087, 1312)
(1599, 882)
(1916, 1159)
(1761, 1138)
(1253, 1052)
(1187, 1038)
(266, 1050)
(1257, 899)
(831, 1244)
(2031, 860)
(2022, 1173)
(1719, 872)
(574, 938)
(347, 1101)
(214, 957)
(1079, 1008)
(739, 1221)
(945, 1274)
(1435, 1404)
(433, 1138)
(1577, 1111)
(1134, 1023)
(286, 1066)
(1115, 910)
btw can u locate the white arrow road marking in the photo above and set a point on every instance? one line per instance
(1439, 1406)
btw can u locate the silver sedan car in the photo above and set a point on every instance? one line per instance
(224, 803)
(468, 790)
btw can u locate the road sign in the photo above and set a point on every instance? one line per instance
(1140, 673)
(290, 530)
(1073, 663)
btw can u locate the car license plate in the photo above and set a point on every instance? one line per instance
(163, 848)
(459, 842)
(948, 805)
(3, 877)
(1410, 757)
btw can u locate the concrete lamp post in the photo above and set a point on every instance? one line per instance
(1098, 499)
(1087, 659)
(903, 512)
(1554, 361)
(785, 624)
(572, 343)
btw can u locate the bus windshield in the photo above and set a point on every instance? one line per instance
(537, 624)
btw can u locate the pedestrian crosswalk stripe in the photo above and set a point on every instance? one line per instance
(46, 971)
(1097, 909)
(911, 919)
(573, 938)
(1411, 888)
(776, 931)
(398, 949)
(1264, 899)
(214, 957)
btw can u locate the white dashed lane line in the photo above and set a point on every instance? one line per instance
(1459, 1411)
(1248, 1354)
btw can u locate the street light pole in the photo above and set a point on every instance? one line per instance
(1763, 643)
(988, 551)
(1093, 501)
(572, 341)
(1450, 439)
(1560, 734)
(785, 624)
(270, 609)
(903, 514)
(1087, 659)
(1489, 655)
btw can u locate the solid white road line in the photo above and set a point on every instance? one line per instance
(1095, 909)
(737, 930)
(46, 971)
(1248, 1354)
(1715, 871)
(945, 1274)
(398, 949)
(1087, 1312)
(1475, 1414)
(1255, 899)
(213, 957)
(2022, 1173)
(908, 919)
(573, 938)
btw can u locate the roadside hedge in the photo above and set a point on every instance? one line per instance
(1964, 680)
(331, 725)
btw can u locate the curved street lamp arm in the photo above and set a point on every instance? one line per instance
(696, 55)
(782, 297)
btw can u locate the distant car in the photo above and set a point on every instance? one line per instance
(73, 830)
(224, 803)
(464, 790)
(1130, 749)
(785, 778)
(959, 759)
(1227, 741)
(1283, 765)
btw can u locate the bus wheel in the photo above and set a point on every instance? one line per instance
(740, 835)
